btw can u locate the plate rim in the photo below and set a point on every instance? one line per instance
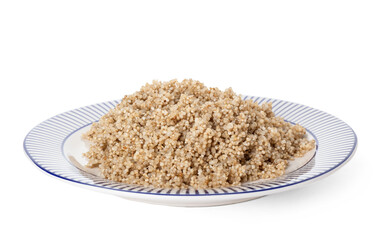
(196, 194)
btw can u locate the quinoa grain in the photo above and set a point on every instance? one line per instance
(183, 134)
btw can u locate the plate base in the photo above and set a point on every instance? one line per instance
(195, 204)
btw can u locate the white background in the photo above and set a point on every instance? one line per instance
(60, 55)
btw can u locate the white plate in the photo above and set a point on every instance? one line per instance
(55, 146)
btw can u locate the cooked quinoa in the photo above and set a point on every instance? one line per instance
(184, 134)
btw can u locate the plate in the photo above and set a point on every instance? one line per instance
(55, 146)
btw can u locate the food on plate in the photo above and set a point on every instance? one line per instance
(184, 134)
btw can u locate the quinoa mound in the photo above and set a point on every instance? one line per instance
(183, 134)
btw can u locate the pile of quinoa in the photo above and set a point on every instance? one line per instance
(184, 134)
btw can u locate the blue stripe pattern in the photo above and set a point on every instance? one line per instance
(336, 142)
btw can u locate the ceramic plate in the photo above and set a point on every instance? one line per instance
(55, 146)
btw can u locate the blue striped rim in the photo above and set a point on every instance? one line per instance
(336, 142)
